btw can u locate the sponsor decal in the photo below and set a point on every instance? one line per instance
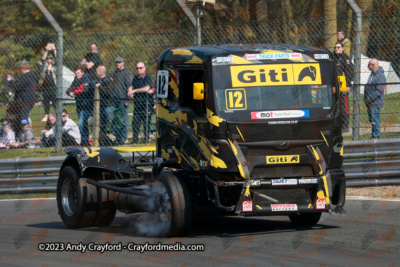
(320, 203)
(279, 114)
(273, 56)
(255, 182)
(247, 205)
(275, 74)
(308, 181)
(282, 122)
(224, 59)
(283, 207)
(284, 182)
(203, 163)
(321, 56)
(287, 159)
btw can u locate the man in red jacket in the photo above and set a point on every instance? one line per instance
(82, 90)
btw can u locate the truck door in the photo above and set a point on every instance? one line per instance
(187, 78)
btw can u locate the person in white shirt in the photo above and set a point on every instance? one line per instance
(71, 135)
(7, 136)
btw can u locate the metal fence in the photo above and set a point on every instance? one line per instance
(120, 117)
(367, 163)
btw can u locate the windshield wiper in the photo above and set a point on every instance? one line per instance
(334, 108)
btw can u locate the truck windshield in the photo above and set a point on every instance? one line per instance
(274, 91)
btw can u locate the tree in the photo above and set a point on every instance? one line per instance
(330, 23)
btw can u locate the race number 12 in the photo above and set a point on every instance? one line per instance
(162, 84)
(235, 99)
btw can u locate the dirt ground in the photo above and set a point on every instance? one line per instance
(382, 192)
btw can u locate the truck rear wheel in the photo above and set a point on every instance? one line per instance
(106, 208)
(76, 199)
(172, 203)
(303, 219)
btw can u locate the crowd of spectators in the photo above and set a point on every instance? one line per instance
(117, 93)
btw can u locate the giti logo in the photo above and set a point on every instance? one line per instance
(308, 72)
(275, 74)
(287, 159)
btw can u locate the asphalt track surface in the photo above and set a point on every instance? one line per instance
(367, 235)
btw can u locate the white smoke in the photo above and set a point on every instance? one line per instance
(157, 222)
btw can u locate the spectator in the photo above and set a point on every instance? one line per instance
(341, 37)
(71, 135)
(122, 80)
(25, 136)
(143, 103)
(344, 68)
(48, 139)
(82, 90)
(105, 89)
(93, 60)
(374, 96)
(24, 98)
(7, 136)
(48, 79)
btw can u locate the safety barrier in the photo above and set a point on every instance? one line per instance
(372, 162)
(367, 163)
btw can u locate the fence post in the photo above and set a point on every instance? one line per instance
(96, 117)
(190, 15)
(357, 78)
(59, 72)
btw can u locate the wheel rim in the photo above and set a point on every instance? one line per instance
(164, 205)
(69, 196)
(161, 204)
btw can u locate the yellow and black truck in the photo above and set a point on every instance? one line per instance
(248, 130)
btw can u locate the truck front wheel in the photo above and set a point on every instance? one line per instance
(76, 199)
(172, 203)
(304, 219)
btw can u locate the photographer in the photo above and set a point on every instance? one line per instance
(24, 98)
(48, 79)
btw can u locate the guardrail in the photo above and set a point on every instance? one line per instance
(372, 162)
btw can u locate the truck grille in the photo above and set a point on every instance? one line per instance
(281, 171)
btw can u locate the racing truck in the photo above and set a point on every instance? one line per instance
(244, 130)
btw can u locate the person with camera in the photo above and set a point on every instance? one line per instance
(24, 98)
(47, 79)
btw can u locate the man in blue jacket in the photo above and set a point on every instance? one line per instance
(82, 90)
(374, 95)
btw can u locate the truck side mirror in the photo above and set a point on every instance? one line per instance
(198, 91)
(342, 84)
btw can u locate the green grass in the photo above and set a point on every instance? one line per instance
(25, 196)
(390, 113)
(30, 153)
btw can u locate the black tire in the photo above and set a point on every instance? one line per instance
(172, 203)
(305, 219)
(76, 199)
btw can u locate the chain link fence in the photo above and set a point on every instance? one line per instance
(124, 119)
